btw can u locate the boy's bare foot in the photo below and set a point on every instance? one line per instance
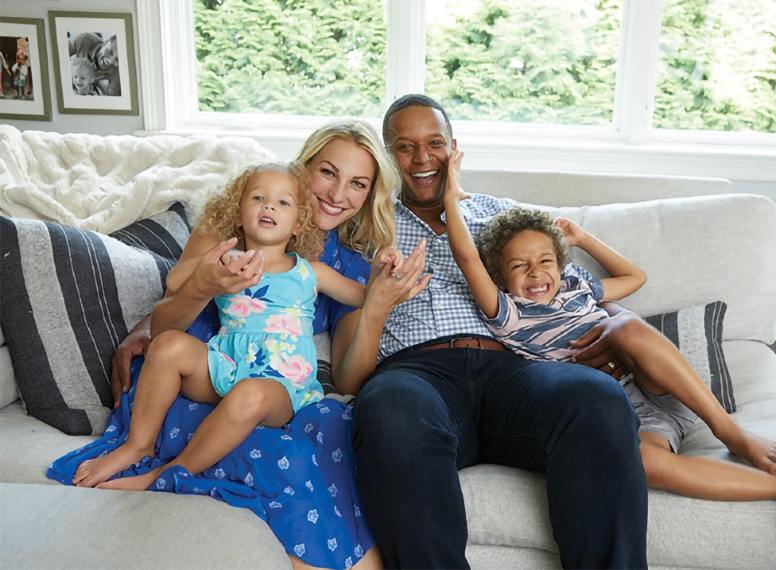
(94, 471)
(136, 483)
(757, 450)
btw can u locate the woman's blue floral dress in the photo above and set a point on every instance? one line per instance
(299, 478)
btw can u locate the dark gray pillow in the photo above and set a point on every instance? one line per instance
(68, 297)
(697, 332)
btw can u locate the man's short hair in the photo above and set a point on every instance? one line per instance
(412, 100)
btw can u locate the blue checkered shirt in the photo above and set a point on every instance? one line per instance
(446, 307)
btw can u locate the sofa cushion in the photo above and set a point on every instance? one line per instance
(697, 332)
(52, 526)
(69, 296)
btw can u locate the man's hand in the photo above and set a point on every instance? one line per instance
(597, 350)
(135, 344)
(573, 233)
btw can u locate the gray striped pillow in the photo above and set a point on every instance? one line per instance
(697, 332)
(68, 297)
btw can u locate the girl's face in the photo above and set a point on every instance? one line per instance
(269, 209)
(82, 79)
(529, 266)
(341, 177)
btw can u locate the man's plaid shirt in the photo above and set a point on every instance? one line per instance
(446, 307)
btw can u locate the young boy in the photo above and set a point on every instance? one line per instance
(536, 303)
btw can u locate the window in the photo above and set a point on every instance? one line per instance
(672, 87)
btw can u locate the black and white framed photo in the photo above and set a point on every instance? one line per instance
(94, 62)
(24, 84)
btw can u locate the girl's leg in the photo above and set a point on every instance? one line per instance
(659, 367)
(251, 402)
(702, 477)
(176, 362)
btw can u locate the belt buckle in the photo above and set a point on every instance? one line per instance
(452, 342)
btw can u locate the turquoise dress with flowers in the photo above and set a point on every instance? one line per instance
(267, 332)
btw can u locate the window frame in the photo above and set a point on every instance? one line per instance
(628, 145)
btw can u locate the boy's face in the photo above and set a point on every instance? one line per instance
(421, 146)
(529, 265)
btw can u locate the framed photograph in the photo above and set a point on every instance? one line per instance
(24, 84)
(94, 62)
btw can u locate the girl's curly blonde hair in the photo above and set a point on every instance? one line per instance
(220, 214)
(506, 225)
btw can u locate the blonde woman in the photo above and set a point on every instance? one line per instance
(305, 467)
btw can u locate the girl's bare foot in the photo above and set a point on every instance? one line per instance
(94, 471)
(136, 483)
(759, 451)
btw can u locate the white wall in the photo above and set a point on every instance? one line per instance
(96, 124)
(118, 124)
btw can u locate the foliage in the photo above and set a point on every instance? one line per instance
(540, 61)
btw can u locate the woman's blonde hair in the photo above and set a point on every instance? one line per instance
(373, 226)
(221, 213)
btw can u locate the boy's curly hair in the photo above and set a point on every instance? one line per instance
(221, 212)
(504, 226)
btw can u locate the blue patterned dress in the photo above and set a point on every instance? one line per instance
(298, 478)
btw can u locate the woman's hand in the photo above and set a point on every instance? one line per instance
(573, 233)
(134, 344)
(597, 350)
(213, 277)
(385, 291)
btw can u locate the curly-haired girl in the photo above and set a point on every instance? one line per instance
(266, 329)
(539, 305)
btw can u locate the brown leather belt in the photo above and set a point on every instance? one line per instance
(465, 342)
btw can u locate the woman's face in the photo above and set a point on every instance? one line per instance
(341, 177)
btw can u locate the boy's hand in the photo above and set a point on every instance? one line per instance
(573, 233)
(453, 189)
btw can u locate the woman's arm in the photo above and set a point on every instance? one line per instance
(356, 340)
(626, 277)
(465, 252)
(208, 278)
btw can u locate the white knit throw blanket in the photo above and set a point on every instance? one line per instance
(104, 183)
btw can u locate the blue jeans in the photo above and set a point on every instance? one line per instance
(425, 414)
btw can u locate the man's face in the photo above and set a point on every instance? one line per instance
(421, 146)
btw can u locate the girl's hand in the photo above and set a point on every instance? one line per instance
(573, 233)
(385, 291)
(231, 255)
(453, 189)
(388, 256)
(212, 277)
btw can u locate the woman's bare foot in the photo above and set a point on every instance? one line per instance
(95, 471)
(759, 451)
(136, 483)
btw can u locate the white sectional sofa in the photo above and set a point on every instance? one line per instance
(697, 244)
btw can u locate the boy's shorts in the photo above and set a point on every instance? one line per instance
(663, 415)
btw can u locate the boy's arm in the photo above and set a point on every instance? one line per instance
(626, 277)
(464, 250)
(337, 286)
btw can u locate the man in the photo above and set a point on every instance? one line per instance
(446, 395)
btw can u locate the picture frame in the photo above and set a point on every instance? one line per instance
(24, 79)
(94, 62)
